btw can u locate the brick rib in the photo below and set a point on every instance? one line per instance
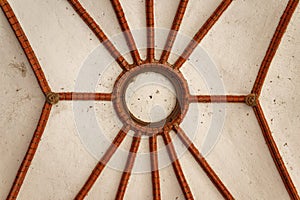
(218, 98)
(275, 153)
(150, 30)
(202, 33)
(126, 30)
(204, 164)
(102, 163)
(177, 167)
(174, 30)
(22, 38)
(77, 96)
(154, 168)
(36, 138)
(129, 166)
(85, 16)
(274, 44)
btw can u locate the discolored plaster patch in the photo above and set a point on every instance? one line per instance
(20, 67)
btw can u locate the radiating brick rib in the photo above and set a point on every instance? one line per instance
(201, 33)
(126, 31)
(150, 30)
(174, 30)
(78, 96)
(274, 44)
(275, 153)
(217, 98)
(99, 34)
(21, 36)
(129, 165)
(36, 138)
(177, 167)
(102, 163)
(203, 163)
(154, 168)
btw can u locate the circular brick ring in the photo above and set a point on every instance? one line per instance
(150, 128)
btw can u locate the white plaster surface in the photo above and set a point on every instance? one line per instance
(236, 44)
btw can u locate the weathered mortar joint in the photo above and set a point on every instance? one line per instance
(251, 100)
(52, 98)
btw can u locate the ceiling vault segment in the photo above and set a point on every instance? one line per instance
(162, 65)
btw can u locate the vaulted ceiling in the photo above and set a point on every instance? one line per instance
(63, 130)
